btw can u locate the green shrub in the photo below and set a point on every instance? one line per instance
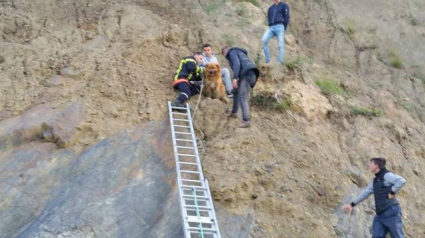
(229, 39)
(298, 63)
(396, 63)
(291, 65)
(407, 105)
(329, 87)
(413, 21)
(258, 59)
(268, 101)
(254, 2)
(211, 8)
(349, 28)
(284, 105)
(368, 112)
(263, 100)
(241, 11)
(395, 60)
(243, 22)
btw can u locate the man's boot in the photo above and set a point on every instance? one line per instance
(245, 124)
(177, 103)
(233, 115)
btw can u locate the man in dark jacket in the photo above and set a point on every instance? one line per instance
(388, 212)
(245, 75)
(187, 73)
(278, 19)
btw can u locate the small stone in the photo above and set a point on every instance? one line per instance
(48, 135)
(57, 80)
(290, 40)
(68, 72)
(229, 197)
(285, 188)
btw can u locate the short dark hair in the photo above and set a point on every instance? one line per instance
(197, 53)
(225, 48)
(379, 161)
(206, 45)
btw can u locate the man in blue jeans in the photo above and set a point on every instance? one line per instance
(278, 19)
(384, 187)
(245, 74)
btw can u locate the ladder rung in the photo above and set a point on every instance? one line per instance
(196, 187)
(186, 196)
(199, 220)
(188, 163)
(178, 108)
(180, 126)
(195, 229)
(214, 234)
(178, 113)
(185, 140)
(191, 180)
(190, 172)
(180, 120)
(184, 133)
(200, 207)
(186, 155)
(185, 147)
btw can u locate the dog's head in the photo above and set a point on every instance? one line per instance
(212, 69)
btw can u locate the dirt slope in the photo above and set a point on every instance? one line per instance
(76, 72)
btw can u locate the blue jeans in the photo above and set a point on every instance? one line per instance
(279, 32)
(225, 75)
(388, 221)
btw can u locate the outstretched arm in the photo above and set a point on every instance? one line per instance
(363, 195)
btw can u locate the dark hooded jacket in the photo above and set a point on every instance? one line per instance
(240, 62)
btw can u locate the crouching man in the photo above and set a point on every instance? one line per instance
(187, 74)
(245, 74)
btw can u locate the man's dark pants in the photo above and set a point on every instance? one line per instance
(388, 221)
(186, 91)
(241, 94)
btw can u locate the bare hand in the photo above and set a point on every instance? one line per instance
(390, 196)
(347, 208)
(235, 83)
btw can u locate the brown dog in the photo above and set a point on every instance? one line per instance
(213, 85)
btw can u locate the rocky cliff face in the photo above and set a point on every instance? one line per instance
(81, 80)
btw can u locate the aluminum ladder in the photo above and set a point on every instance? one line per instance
(196, 204)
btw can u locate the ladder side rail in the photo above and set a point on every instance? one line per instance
(176, 157)
(194, 143)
